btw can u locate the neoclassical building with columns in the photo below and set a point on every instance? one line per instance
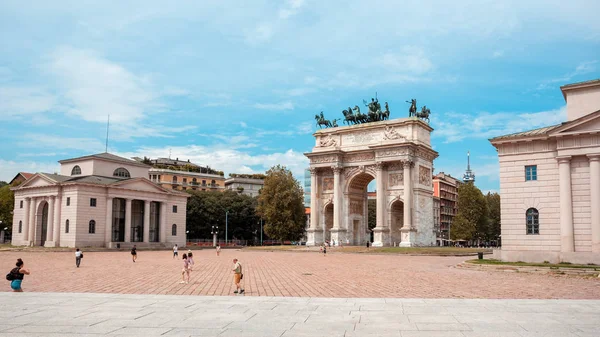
(99, 200)
(398, 155)
(550, 185)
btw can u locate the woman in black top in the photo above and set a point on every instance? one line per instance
(134, 253)
(18, 273)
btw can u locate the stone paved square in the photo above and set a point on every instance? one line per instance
(290, 274)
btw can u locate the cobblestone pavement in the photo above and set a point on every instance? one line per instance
(293, 274)
(87, 315)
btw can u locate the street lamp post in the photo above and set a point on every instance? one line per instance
(261, 230)
(214, 232)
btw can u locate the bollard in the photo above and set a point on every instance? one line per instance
(118, 246)
(480, 255)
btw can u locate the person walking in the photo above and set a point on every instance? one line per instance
(134, 253)
(324, 250)
(185, 272)
(218, 250)
(237, 276)
(190, 257)
(78, 257)
(16, 276)
(175, 251)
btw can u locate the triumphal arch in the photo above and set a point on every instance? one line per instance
(398, 155)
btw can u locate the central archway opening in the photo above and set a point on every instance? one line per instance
(362, 215)
(42, 225)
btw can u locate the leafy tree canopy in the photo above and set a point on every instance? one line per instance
(208, 208)
(471, 220)
(7, 203)
(281, 204)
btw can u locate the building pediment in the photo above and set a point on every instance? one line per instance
(37, 180)
(586, 124)
(140, 184)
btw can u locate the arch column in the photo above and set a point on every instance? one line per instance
(128, 219)
(50, 231)
(146, 237)
(337, 232)
(57, 212)
(25, 228)
(595, 200)
(408, 232)
(381, 232)
(313, 234)
(108, 226)
(32, 222)
(567, 242)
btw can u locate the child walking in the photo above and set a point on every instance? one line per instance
(185, 272)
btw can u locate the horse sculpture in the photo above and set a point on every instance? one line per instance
(412, 111)
(322, 121)
(424, 114)
(349, 116)
(360, 117)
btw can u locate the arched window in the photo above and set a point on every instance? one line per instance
(67, 226)
(76, 170)
(174, 230)
(20, 226)
(21, 204)
(92, 227)
(121, 172)
(533, 221)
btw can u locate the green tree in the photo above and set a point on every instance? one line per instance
(7, 203)
(493, 205)
(471, 220)
(208, 208)
(281, 204)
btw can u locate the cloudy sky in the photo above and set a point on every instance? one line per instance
(236, 84)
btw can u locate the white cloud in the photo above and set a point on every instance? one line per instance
(10, 168)
(454, 127)
(45, 141)
(498, 53)
(581, 69)
(409, 59)
(275, 106)
(19, 101)
(94, 87)
(291, 8)
(243, 124)
(228, 160)
(261, 33)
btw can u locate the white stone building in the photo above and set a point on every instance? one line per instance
(245, 186)
(550, 185)
(99, 200)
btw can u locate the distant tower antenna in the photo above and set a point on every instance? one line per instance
(169, 153)
(107, 126)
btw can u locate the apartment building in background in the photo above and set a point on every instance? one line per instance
(445, 187)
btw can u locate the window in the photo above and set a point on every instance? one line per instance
(76, 170)
(194, 180)
(174, 208)
(67, 226)
(174, 230)
(21, 204)
(184, 180)
(121, 172)
(92, 227)
(533, 221)
(20, 226)
(92, 202)
(174, 179)
(531, 172)
(68, 201)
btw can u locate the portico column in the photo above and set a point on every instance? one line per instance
(407, 195)
(50, 231)
(32, 222)
(57, 208)
(337, 196)
(146, 237)
(163, 222)
(128, 220)
(314, 214)
(26, 220)
(380, 196)
(108, 226)
(595, 200)
(567, 243)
